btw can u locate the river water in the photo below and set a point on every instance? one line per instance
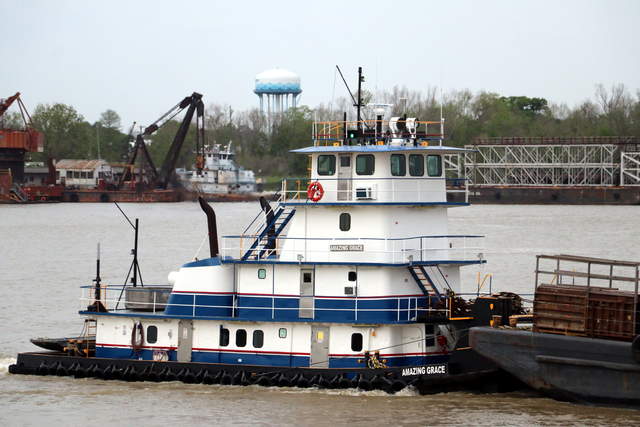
(47, 251)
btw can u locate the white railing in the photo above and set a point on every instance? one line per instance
(406, 307)
(381, 190)
(460, 248)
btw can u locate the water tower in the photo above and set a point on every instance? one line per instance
(281, 89)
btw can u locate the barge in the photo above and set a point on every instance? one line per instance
(584, 344)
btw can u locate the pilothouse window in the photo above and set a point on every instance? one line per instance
(365, 164)
(434, 165)
(416, 165)
(326, 164)
(398, 165)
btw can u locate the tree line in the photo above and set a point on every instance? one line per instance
(611, 111)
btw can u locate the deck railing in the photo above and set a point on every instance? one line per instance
(382, 190)
(457, 248)
(379, 132)
(406, 309)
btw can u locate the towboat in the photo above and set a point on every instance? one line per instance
(348, 278)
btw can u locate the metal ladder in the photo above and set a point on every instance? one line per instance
(423, 280)
(264, 245)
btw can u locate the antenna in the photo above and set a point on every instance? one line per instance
(135, 267)
(441, 116)
(97, 305)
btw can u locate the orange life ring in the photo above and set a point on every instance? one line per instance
(315, 191)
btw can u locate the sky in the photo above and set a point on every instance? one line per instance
(140, 58)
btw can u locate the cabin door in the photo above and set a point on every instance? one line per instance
(344, 177)
(185, 340)
(413, 342)
(319, 347)
(306, 293)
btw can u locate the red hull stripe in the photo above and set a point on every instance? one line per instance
(390, 354)
(149, 347)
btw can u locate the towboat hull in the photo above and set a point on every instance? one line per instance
(465, 372)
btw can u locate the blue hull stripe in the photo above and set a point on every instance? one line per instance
(265, 359)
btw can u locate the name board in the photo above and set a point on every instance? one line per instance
(346, 248)
(440, 369)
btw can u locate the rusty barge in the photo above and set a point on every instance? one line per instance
(584, 345)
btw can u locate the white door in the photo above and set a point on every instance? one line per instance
(344, 177)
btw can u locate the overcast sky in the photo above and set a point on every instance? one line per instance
(141, 57)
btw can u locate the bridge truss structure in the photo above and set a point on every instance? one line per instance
(559, 161)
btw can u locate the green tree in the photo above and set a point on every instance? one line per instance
(66, 133)
(110, 119)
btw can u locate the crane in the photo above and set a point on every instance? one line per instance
(162, 178)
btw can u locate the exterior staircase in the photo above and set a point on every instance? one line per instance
(424, 281)
(265, 243)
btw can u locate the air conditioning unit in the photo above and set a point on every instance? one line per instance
(364, 193)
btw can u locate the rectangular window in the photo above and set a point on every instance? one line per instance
(429, 332)
(262, 273)
(345, 161)
(352, 276)
(241, 338)
(398, 165)
(224, 337)
(326, 164)
(258, 339)
(356, 342)
(282, 332)
(365, 164)
(416, 165)
(434, 165)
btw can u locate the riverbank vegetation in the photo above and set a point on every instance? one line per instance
(611, 111)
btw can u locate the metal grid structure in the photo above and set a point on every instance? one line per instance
(580, 161)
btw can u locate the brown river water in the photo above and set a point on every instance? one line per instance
(48, 251)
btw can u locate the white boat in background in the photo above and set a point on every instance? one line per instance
(219, 173)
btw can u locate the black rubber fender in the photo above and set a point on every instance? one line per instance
(94, 371)
(364, 384)
(43, 369)
(381, 383)
(301, 381)
(344, 382)
(335, 381)
(61, 371)
(170, 375)
(244, 379)
(225, 379)
(264, 381)
(207, 378)
(283, 381)
(236, 378)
